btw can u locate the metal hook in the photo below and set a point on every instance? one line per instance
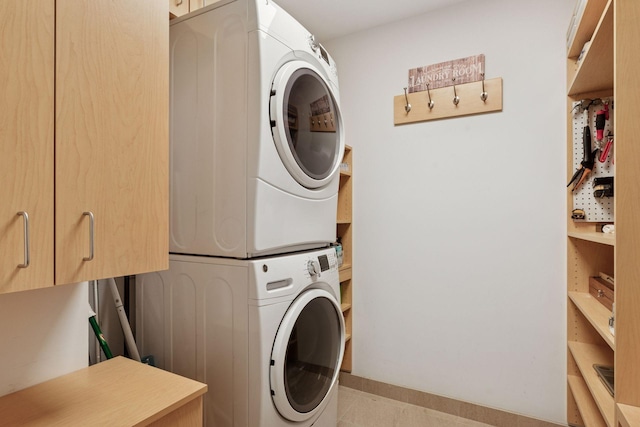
(407, 107)
(431, 103)
(484, 95)
(456, 98)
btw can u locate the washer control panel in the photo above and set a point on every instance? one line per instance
(316, 265)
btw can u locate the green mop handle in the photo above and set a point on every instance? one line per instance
(100, 337)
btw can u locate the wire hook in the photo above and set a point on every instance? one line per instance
(431, 103)
(456, 98)
(484, 95)
(407, 107)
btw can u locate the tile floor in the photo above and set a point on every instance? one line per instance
(360, 409)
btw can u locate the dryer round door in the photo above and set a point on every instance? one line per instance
(306, 124)
(307, 354)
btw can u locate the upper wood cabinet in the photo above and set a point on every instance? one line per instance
(26, 144)
(102, 145)
(112, 133)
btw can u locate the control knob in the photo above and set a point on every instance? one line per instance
(312, 43)
(313, 267)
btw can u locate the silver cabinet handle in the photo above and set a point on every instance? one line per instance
(27, 252)
(90, 215)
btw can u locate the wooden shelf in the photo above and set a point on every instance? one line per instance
(587, 26)
(347, 338)
(344, 221)
(345, 272)
(595, 71)
(628, 416)
(586, 405)
(594, 236)
(345, 173)
(345, 307)
(597, 314)
(585, 356)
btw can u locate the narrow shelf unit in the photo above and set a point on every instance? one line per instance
(608, 68)
(344, 235)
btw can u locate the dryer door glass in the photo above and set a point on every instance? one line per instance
(307, 125)
(307, 354)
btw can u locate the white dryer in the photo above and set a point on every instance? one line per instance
(256, 133)
(266, 335)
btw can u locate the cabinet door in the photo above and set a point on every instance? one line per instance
(112, 73)
(26, 143)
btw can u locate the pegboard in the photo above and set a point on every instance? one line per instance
(595, 209)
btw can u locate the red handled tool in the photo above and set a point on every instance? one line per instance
(601, 119)
(604, 152)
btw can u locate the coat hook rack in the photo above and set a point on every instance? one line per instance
(415, 107)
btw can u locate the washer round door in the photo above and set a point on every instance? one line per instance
(307, 354)
(306, 124)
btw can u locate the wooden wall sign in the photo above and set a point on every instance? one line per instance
(464, 70)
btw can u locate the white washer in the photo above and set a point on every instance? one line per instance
(256, 133)
(266, 335)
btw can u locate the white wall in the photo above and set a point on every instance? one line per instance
(43, 334)
(459, 224)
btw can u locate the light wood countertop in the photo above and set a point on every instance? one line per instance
(117, 392)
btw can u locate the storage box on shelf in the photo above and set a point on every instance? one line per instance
(344, 229)
(589, 251)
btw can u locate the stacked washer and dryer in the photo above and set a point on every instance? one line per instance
(250, 303)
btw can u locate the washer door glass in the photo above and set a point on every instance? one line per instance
(307, 355)
(306, 124)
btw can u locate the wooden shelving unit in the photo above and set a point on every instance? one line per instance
(608, 68)
(344, 229)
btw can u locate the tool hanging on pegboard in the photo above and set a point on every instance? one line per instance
(602, 116)
(588, 160)
(591, 204)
